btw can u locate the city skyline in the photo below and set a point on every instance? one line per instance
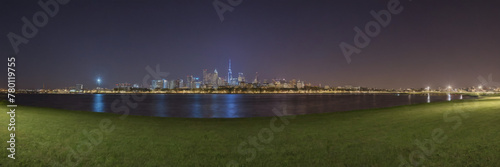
(213, 81)
(424, 45)
(233, 82)
(208, 80)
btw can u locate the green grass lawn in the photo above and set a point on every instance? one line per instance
(457, 133)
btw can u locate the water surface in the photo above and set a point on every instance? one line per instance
(224, 105)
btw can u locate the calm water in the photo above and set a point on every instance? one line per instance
(224, 105)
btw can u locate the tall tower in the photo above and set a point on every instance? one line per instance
(205, 76)
(229, 74)
(189, 82)
(215, 76)
(256, 80)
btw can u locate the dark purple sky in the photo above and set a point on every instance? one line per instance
(430, 43)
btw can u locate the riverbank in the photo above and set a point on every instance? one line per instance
(255, 91)
(457, 133)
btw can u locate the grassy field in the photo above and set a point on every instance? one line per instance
(457, 133)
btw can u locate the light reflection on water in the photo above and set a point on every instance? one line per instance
(214, 106)
(230, 105)
(196, 107)
(428, 98)
(98, 103)
(161, 109)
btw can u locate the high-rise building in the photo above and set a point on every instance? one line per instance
(229, 74)
(215, 77)
(205, 76)
(177, 83)
(79, 87)
(196, 83)
(256, 80)
(172, 84)
(221, 81)
(241, 78)
(300, 84)
(234, 82)
(123, 86)
(158, 84)
(190, 82)
(165, 84)
(153, 84)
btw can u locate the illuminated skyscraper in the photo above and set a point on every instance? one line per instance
(172, 84)
(215, 77)
(241, 78)
(79, 87)
(153, 84)
(256, 80)
(197, 83)
(190, 82)
(165, 84)
(205, 76)
(229, 74)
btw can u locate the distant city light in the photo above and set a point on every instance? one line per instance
(98, 82)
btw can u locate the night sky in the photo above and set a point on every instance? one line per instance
(430, 43)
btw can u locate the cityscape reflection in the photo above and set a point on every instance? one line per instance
(98, 104)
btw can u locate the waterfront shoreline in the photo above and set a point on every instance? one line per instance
(304, 93)
(374, 137)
